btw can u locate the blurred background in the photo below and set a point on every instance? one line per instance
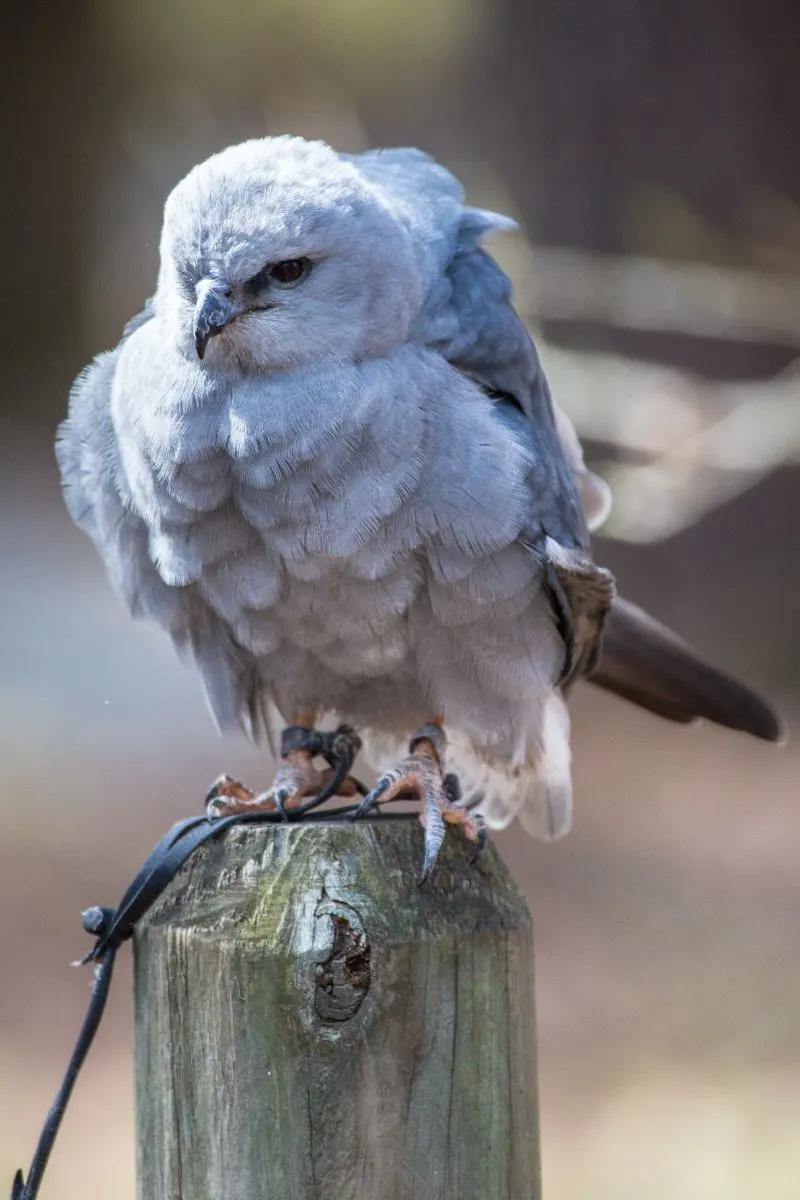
(648, 149)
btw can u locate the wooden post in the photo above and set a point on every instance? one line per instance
(312, 1025)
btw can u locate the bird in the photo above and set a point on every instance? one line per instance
(326, 460)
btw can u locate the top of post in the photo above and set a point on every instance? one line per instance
(241, 885)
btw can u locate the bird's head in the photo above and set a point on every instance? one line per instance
(278, 252)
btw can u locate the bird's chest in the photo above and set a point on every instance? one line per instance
(306, 542)
(308, 462)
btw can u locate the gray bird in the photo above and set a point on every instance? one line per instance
(326, 460)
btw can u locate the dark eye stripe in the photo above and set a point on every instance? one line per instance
(290, 270)
(259, 281)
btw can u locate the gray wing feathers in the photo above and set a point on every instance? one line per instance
(97, 498)
(95, 493)
(492, 345)
(468, 317)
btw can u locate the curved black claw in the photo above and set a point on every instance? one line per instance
(279, 798)
(377, 794)
(451, 786)
(482, 836)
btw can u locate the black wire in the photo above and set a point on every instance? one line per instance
(21, 1188)
(114, 926)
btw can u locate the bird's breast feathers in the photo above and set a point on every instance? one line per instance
(360, 463)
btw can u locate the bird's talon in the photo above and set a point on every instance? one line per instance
(421, 776)
(451, 786)
(216, 788)
(374, 796)
(481, 837)
(227, 794)
(228, 787)
(365, 805)
(280, 798)
(298, 786)
(433, 844)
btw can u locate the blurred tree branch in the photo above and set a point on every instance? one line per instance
(641, 293)
(683, 445)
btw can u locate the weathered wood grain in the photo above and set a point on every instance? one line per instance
(312, 1025)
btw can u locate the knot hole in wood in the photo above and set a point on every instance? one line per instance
(342, 979)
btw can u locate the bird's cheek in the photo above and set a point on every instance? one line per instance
(266, 336)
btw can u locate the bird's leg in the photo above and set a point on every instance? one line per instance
(422, 774)
(298, 786)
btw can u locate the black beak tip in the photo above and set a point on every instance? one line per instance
(215, 308)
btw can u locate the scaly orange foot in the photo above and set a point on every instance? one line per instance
(298, 785)
(421, 774)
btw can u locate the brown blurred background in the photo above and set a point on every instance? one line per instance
(649, 150)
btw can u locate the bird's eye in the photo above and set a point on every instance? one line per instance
(284, 274)
(289, 271)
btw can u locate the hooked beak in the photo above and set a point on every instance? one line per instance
(215, 308)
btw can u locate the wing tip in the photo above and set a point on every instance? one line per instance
(768, 724)
(648, 664)
(756, 717)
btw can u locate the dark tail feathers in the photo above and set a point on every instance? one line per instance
(647, 663)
